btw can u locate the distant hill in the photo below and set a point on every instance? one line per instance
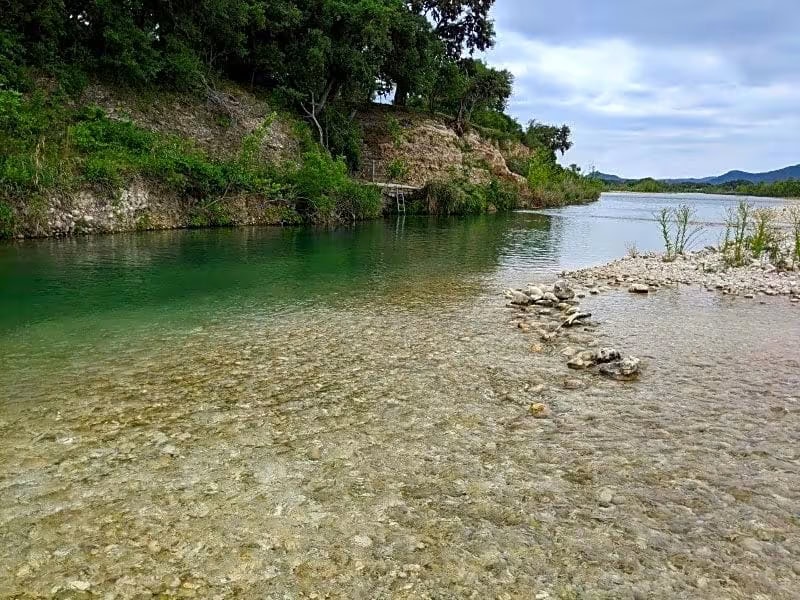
(784, 174)
(607, 177)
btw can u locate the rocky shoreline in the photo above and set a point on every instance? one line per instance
(706, 268)
(553, 312)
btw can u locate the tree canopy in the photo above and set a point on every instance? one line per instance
(325, 57)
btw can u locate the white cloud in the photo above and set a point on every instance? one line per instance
(665, 110)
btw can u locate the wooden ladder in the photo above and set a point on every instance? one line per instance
(400, 197)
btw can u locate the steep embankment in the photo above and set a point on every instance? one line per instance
(173, 161)
(414, 148)
(215, 128)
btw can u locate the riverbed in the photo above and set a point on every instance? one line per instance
(291, 413)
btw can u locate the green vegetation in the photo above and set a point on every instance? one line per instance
(553, 185)
(320, 59)
(677, 229)
(794, 222)
(460, 197)
(395, 131)
(397, 169)
(751, 234)
(737, 223)
(779, 189)
(6, 221)
(51, 146)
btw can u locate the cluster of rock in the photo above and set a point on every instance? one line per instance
(706, 268)
(550, 311)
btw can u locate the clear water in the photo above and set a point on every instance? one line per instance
(163, 395)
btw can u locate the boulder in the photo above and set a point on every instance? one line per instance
(550, 297)
(639, 288)
(562, 290)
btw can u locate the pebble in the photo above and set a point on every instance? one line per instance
(362, 541)
(315, 453)
(79, 585)
(539, 410)
(169, 450)
(605, 497)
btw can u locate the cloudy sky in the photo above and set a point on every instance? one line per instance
(670, 88)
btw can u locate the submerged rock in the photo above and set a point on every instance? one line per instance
(575, 317)
(573, 384)
(539, 410)
(626, 369)
(605, 497)
(518, 297)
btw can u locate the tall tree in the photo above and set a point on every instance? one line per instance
(460, 24)
(550, 138)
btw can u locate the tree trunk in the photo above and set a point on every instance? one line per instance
(401, 94)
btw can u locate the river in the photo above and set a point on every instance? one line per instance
(274, 412)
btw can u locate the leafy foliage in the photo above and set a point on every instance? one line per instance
(460, 197)
(553, 185)
(51, 147)
(550, 138)
(396, 170)
(6, 221)
(324, 58)
(326, 194)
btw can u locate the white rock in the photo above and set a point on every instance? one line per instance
(79, 585)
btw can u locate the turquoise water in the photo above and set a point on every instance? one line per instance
(61, 299)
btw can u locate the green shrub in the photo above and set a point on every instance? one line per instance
(396, 169)
(211, 213)
(764, 233)
(502, 195)
(343, 135)
(552, 185)
(737, 224)
(794, 223)
(327, 194)
(460, 197)
(677, 230)
(395, 131)
(6, 221)
(49, 146)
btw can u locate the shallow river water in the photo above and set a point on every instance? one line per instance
(286, 413)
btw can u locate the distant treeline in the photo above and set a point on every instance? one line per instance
(779, 189)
